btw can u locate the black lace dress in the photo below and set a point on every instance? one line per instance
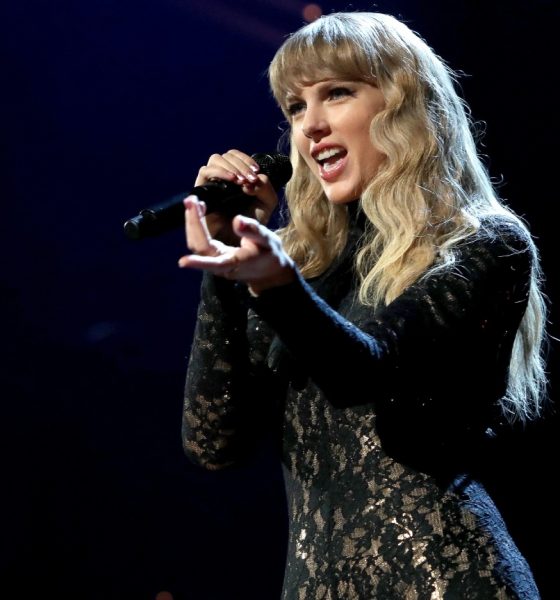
(380, 417)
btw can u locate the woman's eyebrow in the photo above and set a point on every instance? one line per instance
(291, 97)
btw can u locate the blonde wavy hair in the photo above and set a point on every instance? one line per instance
(431, 191)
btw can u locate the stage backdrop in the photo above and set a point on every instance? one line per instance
(111, 106)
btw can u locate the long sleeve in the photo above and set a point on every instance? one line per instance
(229, 398)
(490, 280)
(434, 360)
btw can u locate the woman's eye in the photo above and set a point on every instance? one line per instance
(295, 108)
(339, 92)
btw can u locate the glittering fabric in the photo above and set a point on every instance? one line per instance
(380, 417)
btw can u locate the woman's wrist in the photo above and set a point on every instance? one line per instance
(285, 276)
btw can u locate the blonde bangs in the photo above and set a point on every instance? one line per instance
(323, 50)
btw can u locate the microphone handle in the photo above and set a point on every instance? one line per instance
(153, 221)
(220, 196)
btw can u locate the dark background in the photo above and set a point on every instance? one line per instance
(110, 106)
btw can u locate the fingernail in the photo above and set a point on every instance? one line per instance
(251, 177)
(243, 224)
(255, 168)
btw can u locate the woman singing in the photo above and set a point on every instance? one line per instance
(383, 336)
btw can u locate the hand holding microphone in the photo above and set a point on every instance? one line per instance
(242, 248)
(229, 184)
(252, 181)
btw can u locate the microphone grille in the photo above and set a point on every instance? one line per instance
(276, 166)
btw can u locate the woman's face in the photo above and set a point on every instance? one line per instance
(330, 128)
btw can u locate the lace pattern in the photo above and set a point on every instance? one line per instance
(380, 418)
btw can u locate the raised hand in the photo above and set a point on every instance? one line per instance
(259, 259)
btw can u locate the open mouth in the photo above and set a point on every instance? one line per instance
(329, 158)
(331, 161)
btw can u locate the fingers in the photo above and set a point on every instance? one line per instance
(216, 257)
(260, 260)
(234, 165)
(199, 239)
(225, 265)
(251, 229)
(240, 168)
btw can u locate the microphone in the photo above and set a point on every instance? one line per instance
(220, 196)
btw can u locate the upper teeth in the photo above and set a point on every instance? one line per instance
(327, 153)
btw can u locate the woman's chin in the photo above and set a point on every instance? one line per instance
(341, 197)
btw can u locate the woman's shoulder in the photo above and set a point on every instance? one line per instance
(504, 231)
(501, 247)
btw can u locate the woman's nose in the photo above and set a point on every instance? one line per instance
(315, 124)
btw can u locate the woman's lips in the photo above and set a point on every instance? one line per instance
(330, 171)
